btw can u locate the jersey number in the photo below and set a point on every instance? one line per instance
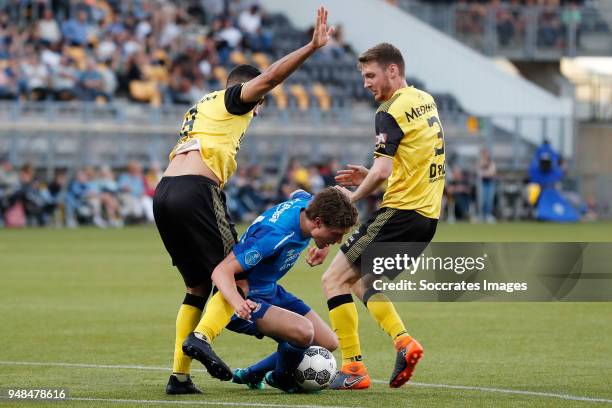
(188, 121)
(431, 121)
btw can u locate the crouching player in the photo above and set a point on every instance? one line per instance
(266, 252)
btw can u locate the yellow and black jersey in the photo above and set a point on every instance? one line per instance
(215, 126)
(408, 130)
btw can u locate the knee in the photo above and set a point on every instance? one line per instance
(303, 334)
(333, 285)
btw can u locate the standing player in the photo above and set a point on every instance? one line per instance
(189, 204)
(409, 156)
(267, 251)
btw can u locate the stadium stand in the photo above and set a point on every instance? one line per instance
(521, 29)
(84, 107)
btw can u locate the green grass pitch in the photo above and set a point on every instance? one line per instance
(93, 311)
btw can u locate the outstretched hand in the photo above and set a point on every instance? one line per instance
(322, 33)
(352, 176)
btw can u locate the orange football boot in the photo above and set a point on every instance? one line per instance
(352, 376)
(409, 352)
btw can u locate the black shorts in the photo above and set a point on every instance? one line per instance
(194, 224)
(389, 225)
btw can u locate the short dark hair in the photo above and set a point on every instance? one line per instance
(384, 54)
(333, 208)
(242, 73)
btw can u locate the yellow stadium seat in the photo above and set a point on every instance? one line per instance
(220, 74)
(238, 58)
(78, 54)
(300, 95)
(280, 97)
(261, 60)
(323, 98)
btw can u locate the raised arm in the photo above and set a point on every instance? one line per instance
(276, 73)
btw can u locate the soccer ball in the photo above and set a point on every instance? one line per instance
(317, 369)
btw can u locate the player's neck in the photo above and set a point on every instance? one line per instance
(396, 86)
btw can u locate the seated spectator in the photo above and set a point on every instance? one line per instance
(9, 181)
(108, 189)
(36, 76)
(109, 80)
(56, 195)
(47, 29)
(459, 193)
(228, 38)
(64, 80)
(316, 181)
(143, 86)
(132, 194)
(91, 82)
(76, 204)
(75, 31)
(29, 196)
(9, 87)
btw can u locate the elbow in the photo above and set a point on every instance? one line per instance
(215, 276)
(382, 173)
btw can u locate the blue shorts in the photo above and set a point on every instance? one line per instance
(282, 298)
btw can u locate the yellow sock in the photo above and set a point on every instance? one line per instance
(383, 311)
(218, 314)
(345, 322)
(188, 316)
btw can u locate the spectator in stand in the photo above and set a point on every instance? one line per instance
(487, 173)
(504, 21)
(315, 180)
(109, 191)
(255, 38)
(109, 80)
(64, 80)
(56, 196)
(36, 76)
(459, 194)
(76, 205)
(549, 25)
(91, 82)
(75, 31)
(9, 181)
(228, 39)
(28, 194)
(9, 88)
(132, 194)
(47, 29)
(571, 18)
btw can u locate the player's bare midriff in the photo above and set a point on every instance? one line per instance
(189, 163)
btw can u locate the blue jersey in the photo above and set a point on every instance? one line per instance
(272, 245)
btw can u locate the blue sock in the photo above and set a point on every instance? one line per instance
(259, 369)
(289, 358)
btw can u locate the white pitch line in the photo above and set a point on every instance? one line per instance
(412, 383)
(505, 391)
(175, 402)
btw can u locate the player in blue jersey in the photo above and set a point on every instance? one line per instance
(265, 253)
